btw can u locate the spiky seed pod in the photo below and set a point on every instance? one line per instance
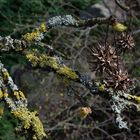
(125, 42)
(103, 59)
(119, 81)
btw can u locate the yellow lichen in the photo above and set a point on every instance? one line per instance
(5, 94)
(1, 94)
(31, 36)
(136, 98)
(5, 75)
(18, 106)
(101, 87)
(43, 27)
(1, 111)
(19, 95)
(68, 72)
(16, 93)
(45, 60)
(52, 62)
(30, 120)
(32, 58)
(119, 27)
(34, 35)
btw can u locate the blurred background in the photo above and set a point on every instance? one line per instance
(45, 91)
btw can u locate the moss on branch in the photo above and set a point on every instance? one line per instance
(18, 105)
(44, 61)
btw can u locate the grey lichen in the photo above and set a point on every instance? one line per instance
(121, 123)
(8, 43)
(118, 106)
(66, 20)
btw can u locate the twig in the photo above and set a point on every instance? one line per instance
(124, 7)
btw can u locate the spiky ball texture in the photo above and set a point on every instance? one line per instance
(103, 59)
(125, 42)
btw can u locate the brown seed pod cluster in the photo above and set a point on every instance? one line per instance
(125, 42)
(106, 59)
(103, 59)
(119, 81)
